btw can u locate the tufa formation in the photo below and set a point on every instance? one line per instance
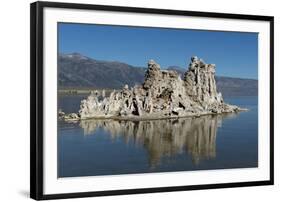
(162, 95)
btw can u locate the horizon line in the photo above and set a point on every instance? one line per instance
(165, 68)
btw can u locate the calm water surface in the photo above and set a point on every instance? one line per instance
(107, 147)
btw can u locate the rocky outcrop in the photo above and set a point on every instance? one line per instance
(162, 95)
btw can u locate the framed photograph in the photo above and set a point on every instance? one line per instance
(131, 100)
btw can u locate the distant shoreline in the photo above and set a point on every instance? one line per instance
(78, 91)
(86, 91)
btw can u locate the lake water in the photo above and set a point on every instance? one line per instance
(107, 147)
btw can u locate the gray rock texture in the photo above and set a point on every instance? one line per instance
(163, 94)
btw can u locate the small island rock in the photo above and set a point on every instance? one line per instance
(163, 94)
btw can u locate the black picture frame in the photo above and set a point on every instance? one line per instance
(36, 99)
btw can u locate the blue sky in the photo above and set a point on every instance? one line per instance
(234, 53)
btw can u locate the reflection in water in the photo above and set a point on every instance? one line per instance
(165, 138)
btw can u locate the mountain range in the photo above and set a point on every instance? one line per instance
(78, 71)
